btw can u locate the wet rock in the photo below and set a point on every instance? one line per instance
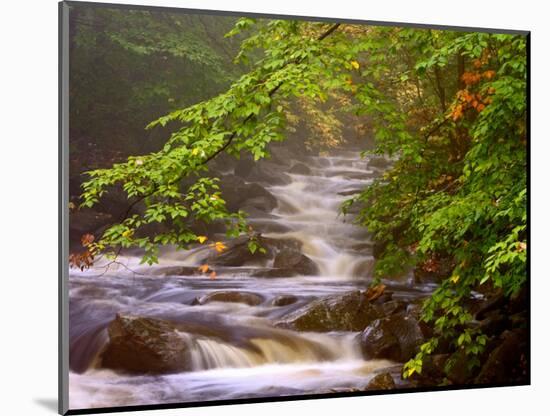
(387, 296)
(518, 302)
(383, 381)
(507, 363)
(237, 193)
(433, 367)
(174, 271)
(494, 302)
(457, 369)
(494, 323)
(244, 167)
(284, 300)
(261, 171)
(296, 262)
(348, 312)
(251, 299)
(395, 337)
(414, 309)
(145, 345)
(391, 307)
(378, 162)
(518, 320)
(300, 169)
(238, 254)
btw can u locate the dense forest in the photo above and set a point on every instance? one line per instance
(201, 134)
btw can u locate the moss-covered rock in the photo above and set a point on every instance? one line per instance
(348, 312)
(145, 345)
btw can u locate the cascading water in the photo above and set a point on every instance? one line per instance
(243, 354)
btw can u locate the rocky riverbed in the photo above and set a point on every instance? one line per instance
(300, 318)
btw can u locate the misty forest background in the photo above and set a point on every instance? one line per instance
(442, 113)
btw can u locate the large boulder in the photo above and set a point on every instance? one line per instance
(492, 303)
(237, 194)
(348, 312)
(457, 368)
(284, 300)
(248, 298)
(238, 254)
(261, 171)
(383, 381)
(507, 362)
(296, 262)
(145, 345)
(396, 337)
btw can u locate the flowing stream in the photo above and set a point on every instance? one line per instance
(247, 356)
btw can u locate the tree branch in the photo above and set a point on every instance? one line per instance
(154, 189)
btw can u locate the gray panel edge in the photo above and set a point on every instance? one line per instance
(63, 210)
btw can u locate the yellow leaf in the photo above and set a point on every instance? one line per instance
(455, 278)
(202, 238)
(204, 268)
(127, 233)
(195, 151)
(355, 64)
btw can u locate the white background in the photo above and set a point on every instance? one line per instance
(28, 195)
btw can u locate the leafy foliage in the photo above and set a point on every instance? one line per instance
(449, 108)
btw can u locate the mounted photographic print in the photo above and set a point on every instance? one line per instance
(262, 208)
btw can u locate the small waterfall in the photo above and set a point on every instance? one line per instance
(281, 348)
(234, 349)
(309, 206)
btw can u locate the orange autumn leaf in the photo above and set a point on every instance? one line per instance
(489, 74)
(87, 239)
(213, 275)
(522, 246)
(219, 246)
(204, 268)
(470, 78)
(457, 112)
(375, 292)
